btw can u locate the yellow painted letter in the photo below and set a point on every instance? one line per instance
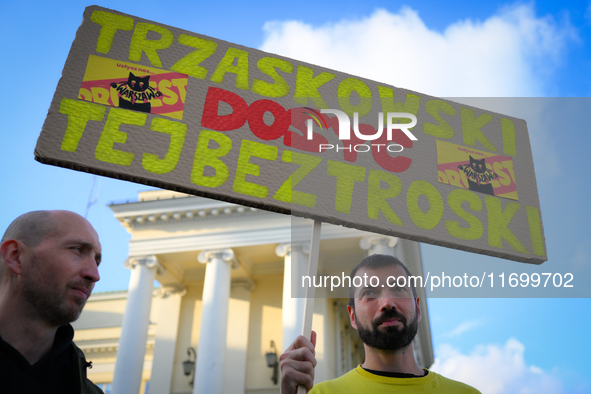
(471, 129)
(455, 199)
(347, 175)
(110, 23)
(79, 113)
(140, 42)
(307, 164)
(348, 86)
(244, 167)
(389, 104)
(377, 197)
(442, 129)
(535, 230)
(190, 63)
(269, 66)
(177, 132)
(498, 222)
(431, 218)
(111, 135)
(307, 87)
(226, 66)
(209, 157)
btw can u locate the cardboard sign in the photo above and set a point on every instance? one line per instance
(157, 105)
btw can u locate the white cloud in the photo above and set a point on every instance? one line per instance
(511, 53)
(494, 369)
(465, 327)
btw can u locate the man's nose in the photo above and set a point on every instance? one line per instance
(387, 303)
(90, 271)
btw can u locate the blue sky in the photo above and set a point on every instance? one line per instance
(524, 49)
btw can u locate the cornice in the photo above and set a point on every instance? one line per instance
(108, 296)
(172, 211)
(105, 347)
(271, 232)
(215, 224)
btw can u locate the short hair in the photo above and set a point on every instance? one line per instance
(31, 228)
(376, 261)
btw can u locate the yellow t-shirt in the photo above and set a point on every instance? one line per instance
(359, 380)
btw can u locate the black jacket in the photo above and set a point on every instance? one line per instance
(61, 371)
(86, 386)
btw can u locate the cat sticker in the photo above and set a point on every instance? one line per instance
(133, 86)
(136, 93)
(476, 170)
(479, 177)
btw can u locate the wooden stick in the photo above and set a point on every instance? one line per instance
(311, 290)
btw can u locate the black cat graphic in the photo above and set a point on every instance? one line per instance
(479, 177)
(136, 93)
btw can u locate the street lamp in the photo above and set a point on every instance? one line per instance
(189, 365)
(271, 357)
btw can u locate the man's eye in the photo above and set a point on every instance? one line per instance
(398, 289)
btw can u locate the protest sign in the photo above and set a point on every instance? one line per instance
(157, 105)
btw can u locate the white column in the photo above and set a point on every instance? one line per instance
(237, 336)
(320, 325)
(348, 349)
(339, 340)
(378, 244)
(295, 264)
(134, 331)
(209, 377)
(169, 304)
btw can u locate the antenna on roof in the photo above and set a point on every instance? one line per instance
(93, 195)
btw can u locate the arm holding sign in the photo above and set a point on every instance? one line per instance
(297, 365)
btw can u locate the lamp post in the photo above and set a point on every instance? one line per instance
(189, 365)
(271, 357)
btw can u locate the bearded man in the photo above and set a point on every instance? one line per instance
(386, 318)
(48, 266)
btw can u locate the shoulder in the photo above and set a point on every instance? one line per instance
(450, 384)
(87, 387)
(81, 359)
(360, 381)
(341, 384)
(78, 352)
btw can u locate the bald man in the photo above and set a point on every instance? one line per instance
(48, 265)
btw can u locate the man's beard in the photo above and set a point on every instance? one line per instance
(51, 302)
(390, 337)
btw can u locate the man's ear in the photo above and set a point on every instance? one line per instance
(351, 312)
(418, 309)
(11, 252)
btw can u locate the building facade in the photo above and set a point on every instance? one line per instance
(224, 300)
